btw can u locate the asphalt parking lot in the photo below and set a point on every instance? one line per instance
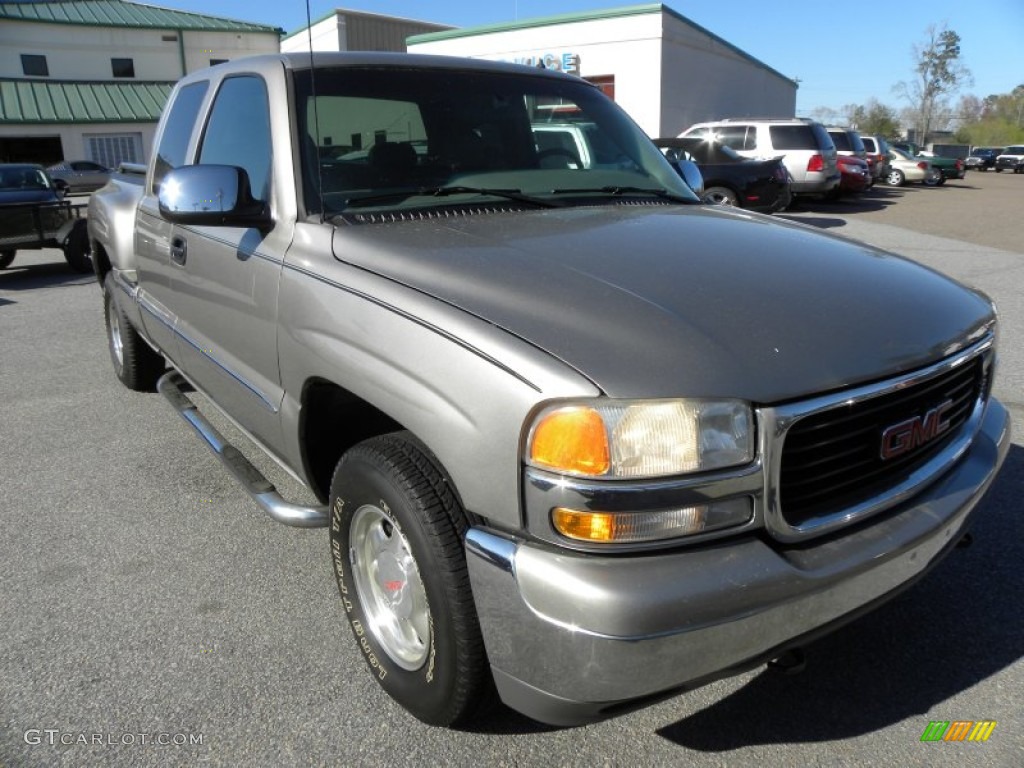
(151, 615)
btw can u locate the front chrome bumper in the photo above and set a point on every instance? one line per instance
(575, 637)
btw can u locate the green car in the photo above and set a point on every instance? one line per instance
(949, 167)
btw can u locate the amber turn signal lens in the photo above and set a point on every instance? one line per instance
(584, 526)
(571, 440)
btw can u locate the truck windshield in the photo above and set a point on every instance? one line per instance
(388, 137)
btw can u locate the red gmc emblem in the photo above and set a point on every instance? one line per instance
(915, 432)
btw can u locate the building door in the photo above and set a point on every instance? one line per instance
(606, 83)
(44, 150)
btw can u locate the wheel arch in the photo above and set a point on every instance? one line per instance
(333, 419)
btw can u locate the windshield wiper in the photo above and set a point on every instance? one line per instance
(508, 194)
(618, 191)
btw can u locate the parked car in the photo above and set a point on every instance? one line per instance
(983, 158)
(80, 175)
(877, 149)
(804, 145)
(1011, 159)
(948, 167)
(34, 215)
(855, 176)
(758, 185)
(905, 169)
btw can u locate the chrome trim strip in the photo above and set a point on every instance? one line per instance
(270, 405)
(492, 549)
(775, 423)
(252, 480)
(151, 309)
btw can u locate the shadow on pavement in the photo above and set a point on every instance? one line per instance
(32, 276)
(960, 625)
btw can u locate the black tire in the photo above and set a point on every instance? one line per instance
(76, 251)
(941, 181)
(6, 257)
(396, 540)
(720, 196)
(998, 170)
(135, 363)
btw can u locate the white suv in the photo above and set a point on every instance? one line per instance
(804, 145)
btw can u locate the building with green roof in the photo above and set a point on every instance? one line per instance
(87, 79)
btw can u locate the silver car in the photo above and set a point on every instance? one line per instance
(79, 175)
(904, 169)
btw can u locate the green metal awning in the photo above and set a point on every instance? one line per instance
(39, 102)
(121, 13)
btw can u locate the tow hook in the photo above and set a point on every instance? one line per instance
(791, 662)
(965, 541)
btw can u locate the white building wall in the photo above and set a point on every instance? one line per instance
(628, 47)
(327, 36)
(705, 79)
(76, 52)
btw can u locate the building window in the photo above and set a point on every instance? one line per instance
(34, 65)
(112, 149)
(123, 67)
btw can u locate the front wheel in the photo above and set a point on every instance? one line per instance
(396, 543)
(895, 178)
(6, 257)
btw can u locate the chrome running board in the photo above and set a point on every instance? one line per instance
(172, 385)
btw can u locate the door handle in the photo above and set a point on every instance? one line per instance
(179, 250)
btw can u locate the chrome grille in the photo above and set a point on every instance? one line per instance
(831, 460)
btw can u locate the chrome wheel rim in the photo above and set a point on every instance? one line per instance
(894, 178)
(116, 343)
(718, 198)
(389, 587)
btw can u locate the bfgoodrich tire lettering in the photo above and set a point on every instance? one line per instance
(396, 543)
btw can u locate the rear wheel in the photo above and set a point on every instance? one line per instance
(895, 178)
(396, 543)
(76, 251)
(6, 257)
(135, 363)
(720, 196)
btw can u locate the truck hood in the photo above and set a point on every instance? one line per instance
(656, 301)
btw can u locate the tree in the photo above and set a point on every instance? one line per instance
(939, 74)
(876, 119)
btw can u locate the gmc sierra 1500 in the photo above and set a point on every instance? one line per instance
(579, 439)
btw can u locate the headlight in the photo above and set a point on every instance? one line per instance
(642, 438)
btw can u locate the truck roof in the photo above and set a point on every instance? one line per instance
(323, 59)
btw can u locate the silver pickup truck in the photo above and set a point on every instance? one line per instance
(580, 441)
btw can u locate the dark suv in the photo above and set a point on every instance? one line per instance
(983, 158)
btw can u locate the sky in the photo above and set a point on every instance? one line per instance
(837, 59)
